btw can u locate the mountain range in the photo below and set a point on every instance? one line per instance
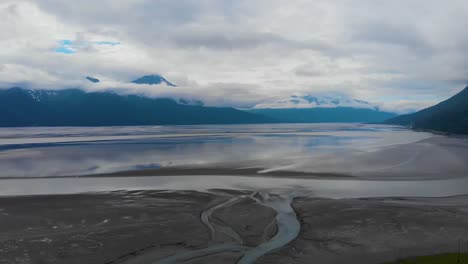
(74, 107)
(449, 116)
(324, 114)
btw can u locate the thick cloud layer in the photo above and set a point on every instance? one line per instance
(402, 55)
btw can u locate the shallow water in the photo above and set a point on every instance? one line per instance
(383, 160)
(33, 152)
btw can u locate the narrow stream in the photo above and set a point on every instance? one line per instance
(288, 229)
(286, 220)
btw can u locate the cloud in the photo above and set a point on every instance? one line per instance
(15, 74)
(243, 52)
(216, 95)
(224, 40)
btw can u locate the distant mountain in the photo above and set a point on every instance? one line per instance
(324, 115)
(91, 79)
(153, 79)
(312, 101)
(448, 116)
(74, 107)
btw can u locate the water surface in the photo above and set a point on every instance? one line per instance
(380, 160)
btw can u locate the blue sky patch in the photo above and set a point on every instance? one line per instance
(65, 50)
(67, 46)
(65, 42)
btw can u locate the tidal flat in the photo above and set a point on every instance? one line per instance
(225, 226)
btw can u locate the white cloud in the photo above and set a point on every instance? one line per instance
(244, 52)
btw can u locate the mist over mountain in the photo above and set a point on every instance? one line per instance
(448, 116)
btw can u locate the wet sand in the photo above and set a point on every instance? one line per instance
(221, 226)
(375, 230)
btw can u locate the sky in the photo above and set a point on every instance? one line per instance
(402, 55)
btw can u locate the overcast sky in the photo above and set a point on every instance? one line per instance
(401, 54)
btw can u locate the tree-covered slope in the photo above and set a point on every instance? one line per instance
(448, 116)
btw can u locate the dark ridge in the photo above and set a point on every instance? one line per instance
(450, 116)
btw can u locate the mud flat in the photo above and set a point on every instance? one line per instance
(375, 230)
(222, 226)
(133, 227)
(99, 228)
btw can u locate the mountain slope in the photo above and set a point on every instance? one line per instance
(448, 116)
(325, 115)
(73, 107)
